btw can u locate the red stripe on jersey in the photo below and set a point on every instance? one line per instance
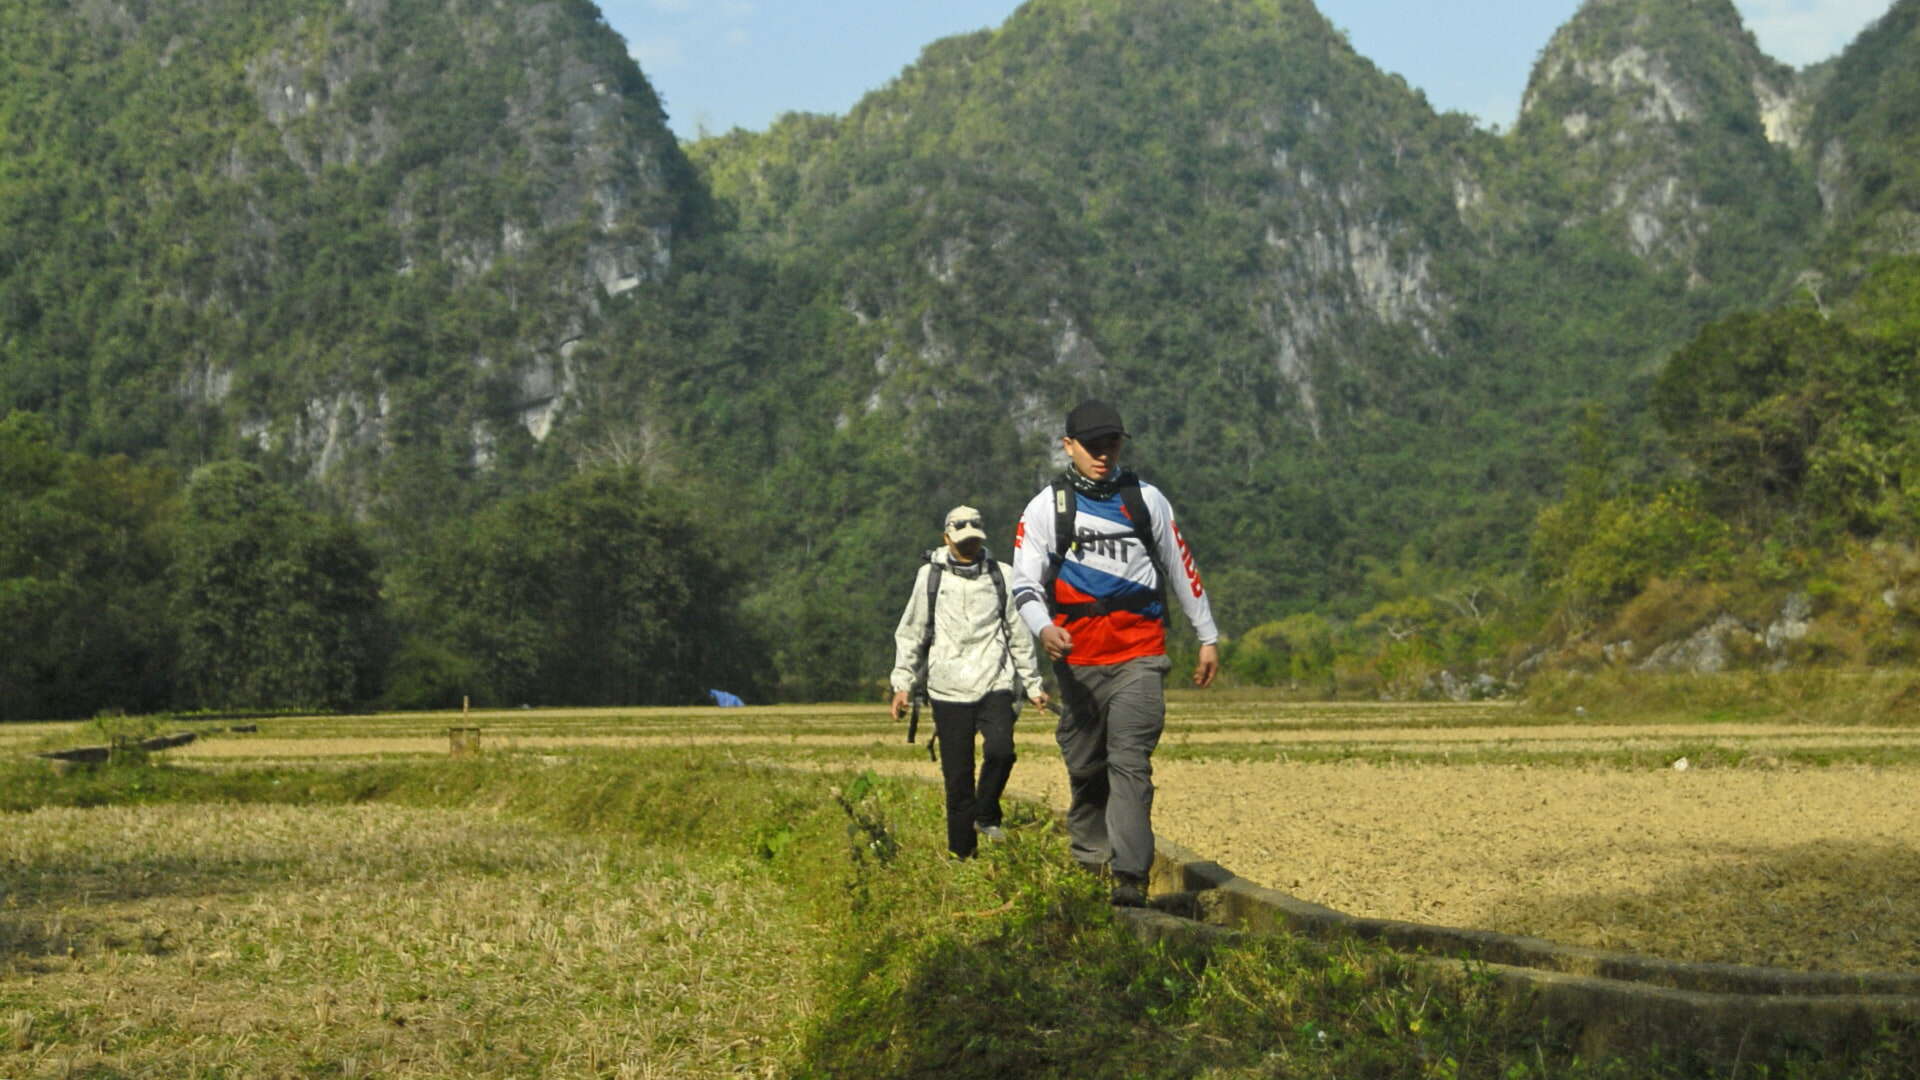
(1112, 638)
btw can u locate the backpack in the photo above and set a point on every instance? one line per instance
(1065, 509)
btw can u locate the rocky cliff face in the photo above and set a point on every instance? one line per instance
(1140, 162)
(381, 222)
(582, 133)
(1664, 118)
(1864, 146)
(360, 231)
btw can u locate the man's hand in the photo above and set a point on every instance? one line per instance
(1057, 642)
(1207, 666)
(899, 704)
(1039, 699)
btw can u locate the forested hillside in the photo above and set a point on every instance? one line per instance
(359, 239)
(419, 262)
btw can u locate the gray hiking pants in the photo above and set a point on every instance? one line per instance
(1111, 721)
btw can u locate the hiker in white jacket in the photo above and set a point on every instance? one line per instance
(971, 655)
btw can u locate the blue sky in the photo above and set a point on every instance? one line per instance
(721, 64)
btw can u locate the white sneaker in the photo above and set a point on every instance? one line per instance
(991, 832)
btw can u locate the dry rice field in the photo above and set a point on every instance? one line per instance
(377, 941)
(1791, 844)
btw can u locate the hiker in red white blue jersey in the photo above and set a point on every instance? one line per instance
(1095, 556)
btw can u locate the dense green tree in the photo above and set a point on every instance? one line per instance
(278, 606)
(1794, 420)
(599, 591)
(83, 551)
(1794, 437)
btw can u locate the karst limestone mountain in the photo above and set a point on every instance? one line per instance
(424, 251)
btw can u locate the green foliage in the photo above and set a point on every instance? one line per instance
(1599, 555)
(600, 591)
(1796, 452)
(370, 244)
(83, 548)
(1298, 649)
(276, 605)
(1793, 419)
(1867, 107)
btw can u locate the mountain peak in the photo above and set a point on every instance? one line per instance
(1655, 63)
(1665, 118)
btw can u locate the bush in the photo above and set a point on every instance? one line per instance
(1665, 610)
(1294, 650)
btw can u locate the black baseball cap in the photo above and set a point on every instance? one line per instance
(1092, 419)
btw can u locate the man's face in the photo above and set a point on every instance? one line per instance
(1095, 459)
(968, 549)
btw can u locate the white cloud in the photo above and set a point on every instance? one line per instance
(657, 53)
(1802, 32)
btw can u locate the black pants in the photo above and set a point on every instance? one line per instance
(954, 724)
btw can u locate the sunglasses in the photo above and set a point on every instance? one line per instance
(963, 523)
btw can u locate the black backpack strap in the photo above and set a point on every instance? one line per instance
(1065, 507)
(934, 573)
(934, 570)
(1000, 618)
(919, 692)
(1135, 502)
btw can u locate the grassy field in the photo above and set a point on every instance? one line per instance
(657, 893)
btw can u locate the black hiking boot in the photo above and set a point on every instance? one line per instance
(1129, 890)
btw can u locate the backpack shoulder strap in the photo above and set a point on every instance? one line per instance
(1000, 620)
(1065, 507)
(934, 573)
(1135, 503)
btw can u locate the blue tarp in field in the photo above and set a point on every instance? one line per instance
(726, 700)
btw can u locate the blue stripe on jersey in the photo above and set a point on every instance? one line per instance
(1107, 509)
(1105, 586)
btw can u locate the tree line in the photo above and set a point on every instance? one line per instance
(1783, 458)
(125, 587)
(1786, 458)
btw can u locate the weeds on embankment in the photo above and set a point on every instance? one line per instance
(666, 914)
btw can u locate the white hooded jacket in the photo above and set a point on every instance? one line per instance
(979, 643)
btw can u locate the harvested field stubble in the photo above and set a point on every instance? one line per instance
(1479, 815)
(1809, 869)
(375, 940)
